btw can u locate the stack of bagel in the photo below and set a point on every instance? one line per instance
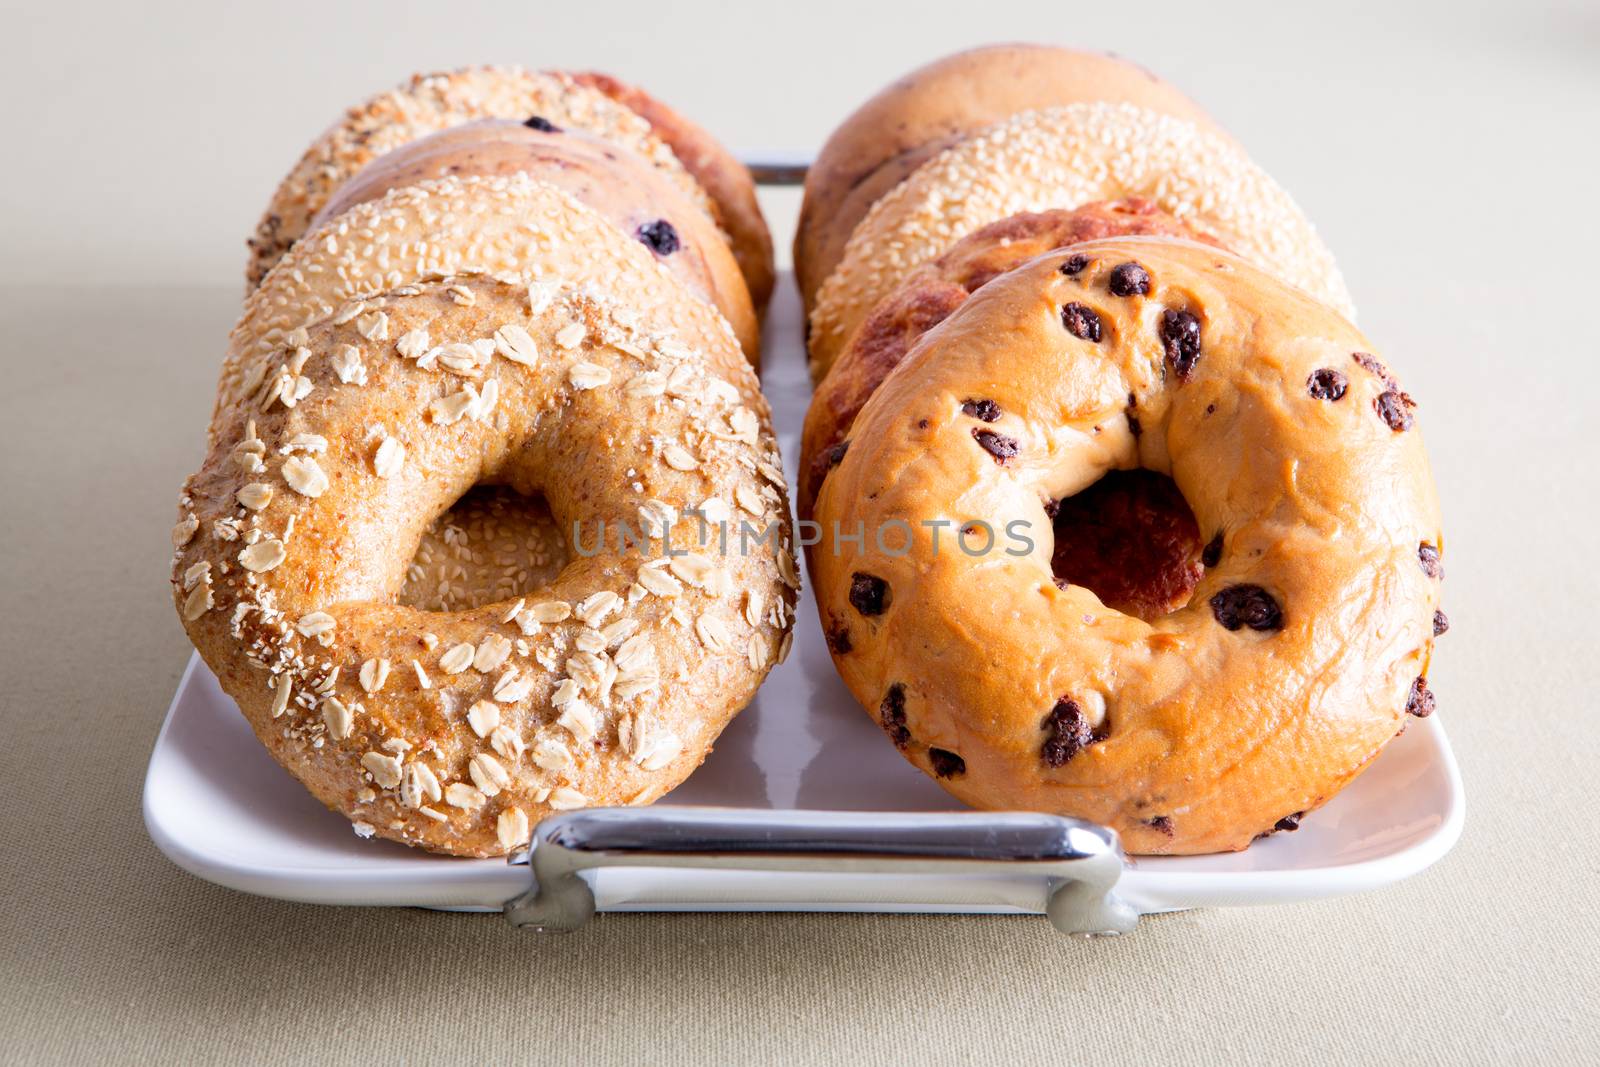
(1120, 517)
(453, 545)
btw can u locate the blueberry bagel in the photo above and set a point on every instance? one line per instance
(724, 178)
(457, 730)
(1148, 537)
(614, 182)
(934, 290)
(1062, 155)
(601, 106)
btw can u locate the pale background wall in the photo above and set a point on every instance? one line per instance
(1448, 153)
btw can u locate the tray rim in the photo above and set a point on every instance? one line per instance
(1151, 885)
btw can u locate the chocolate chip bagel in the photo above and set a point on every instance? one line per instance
(934, 290)
(1261, 475)
(1086, 145)
(597, 104)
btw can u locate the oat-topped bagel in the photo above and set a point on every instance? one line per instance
(429, 103)
(934, 290)
(1063, 157)
(921, 114)
(455, 731)
(1296, 549)
(614, 182)
(511, 225)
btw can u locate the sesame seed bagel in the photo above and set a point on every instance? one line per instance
(493, 544)
(1308, 575)
(511, 225)
(613, 181)
(1063, 157)
(456, 731)
(427, 104)
(621, 115)
(925, 112)
(934, 290)
(724, 178)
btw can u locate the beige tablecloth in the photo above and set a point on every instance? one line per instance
(1444, 159)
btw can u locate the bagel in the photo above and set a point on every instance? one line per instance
(493, 544)
(1280, 573)
(931, 292)
(724, 178)
(928, 110)
(1059, 158)
(455, 731)
(613, 181)
(619, 114)
(504, 224)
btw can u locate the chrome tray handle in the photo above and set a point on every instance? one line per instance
(1079, 862)
(778, 168)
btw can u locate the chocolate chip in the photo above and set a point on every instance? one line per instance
(660, 236)
(1211, 555)
(946, 764)
(986, 410)
(869, 594)
(1428, 556)
(838, 638)
(1247, 605)
(542, 124)
(1074, 265)
(1326, 384)
(1081, 322)
(1441, 623)
(1289, 823)
(1180, 337)
(1161, 823)
(892, 713)
(836, 453)
(1134, 426)
(1371, 365)
(1129, 279)
(1052, 508)
(997, 445)
(1420, 701)
(1069, 732)
(1394, 408)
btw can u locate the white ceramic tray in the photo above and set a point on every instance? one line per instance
(221, 808)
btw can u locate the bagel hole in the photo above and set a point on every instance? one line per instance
(1131, 539)
(493, 544)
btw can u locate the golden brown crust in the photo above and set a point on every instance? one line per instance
(1063, 157)
(723, 177)
(613, 181)
(1308, 637)
(910, 121)
(936, 289)
(456, 731)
